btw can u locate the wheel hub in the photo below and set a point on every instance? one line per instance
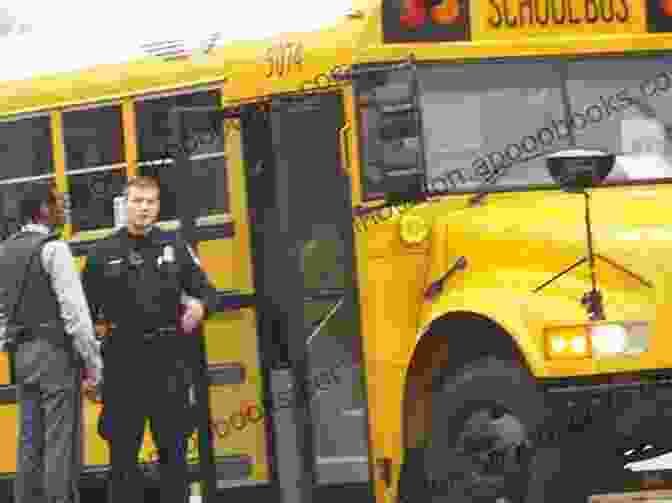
(490, 458)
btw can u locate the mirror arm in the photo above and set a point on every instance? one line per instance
(573, 178)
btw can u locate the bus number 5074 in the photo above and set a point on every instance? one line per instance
(283, 58)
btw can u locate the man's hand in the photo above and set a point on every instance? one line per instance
(90, 384)
(193, 315)
(90, 390)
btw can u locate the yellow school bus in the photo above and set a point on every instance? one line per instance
(379, 191)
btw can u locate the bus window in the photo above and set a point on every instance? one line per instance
(478, 118)
(622, 105)
(482, 118)
(95, 165)
(25, 157)
(208, 163)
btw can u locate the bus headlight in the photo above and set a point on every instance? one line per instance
(598, 341)
(567, 342)
(619, 339)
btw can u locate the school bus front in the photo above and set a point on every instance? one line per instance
(508, 365)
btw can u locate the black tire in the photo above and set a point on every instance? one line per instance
(507, 413)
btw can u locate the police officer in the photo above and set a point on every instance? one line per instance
(48, 327)
(134, 280)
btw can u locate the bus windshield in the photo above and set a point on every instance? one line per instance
(491, 124)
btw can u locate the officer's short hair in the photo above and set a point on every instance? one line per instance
(142, 182)
(37, 195)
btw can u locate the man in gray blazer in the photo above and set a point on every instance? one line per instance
(47, 326)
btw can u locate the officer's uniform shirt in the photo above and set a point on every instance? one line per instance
(59, 264)
(138, 282)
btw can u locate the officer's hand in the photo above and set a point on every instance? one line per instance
(102, 329)
(193, 315)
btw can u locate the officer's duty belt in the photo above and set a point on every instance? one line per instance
(158, 333)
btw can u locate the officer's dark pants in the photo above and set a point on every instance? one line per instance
(48, 455)
(144, 380)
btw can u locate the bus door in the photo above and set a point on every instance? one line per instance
(301, 222)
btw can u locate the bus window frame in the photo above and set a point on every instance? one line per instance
(201, 221)
(52, 175)
(123, 166)
(563, 62)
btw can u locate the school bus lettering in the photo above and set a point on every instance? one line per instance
(556, 12)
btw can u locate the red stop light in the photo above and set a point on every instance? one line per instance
(666, 6)
(415, 12)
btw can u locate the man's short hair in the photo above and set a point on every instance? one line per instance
(142, 182)
(37, 195)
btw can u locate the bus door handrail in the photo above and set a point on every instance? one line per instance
(343, 140)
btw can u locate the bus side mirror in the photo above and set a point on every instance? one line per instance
(576, 170)
(398, 122)
(397, 126)
(401, 166)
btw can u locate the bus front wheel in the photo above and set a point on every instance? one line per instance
(486, 443)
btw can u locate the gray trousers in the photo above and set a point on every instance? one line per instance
(49, 447)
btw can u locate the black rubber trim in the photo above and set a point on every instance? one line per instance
(602, 388)
(227, 374)
(233, 299)
(220, 375)
(232, 467)
(202, 233)
(7, 394)
(608, 381)
(212, 232)
(227, 468)
(325, 294)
